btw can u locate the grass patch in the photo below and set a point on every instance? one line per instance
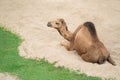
(29, 69)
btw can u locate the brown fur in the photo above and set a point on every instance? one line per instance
(84, 40)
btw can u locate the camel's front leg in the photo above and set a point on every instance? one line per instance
(67, 45)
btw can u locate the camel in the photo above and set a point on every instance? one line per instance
(84, 40)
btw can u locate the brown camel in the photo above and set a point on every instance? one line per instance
(84, 40)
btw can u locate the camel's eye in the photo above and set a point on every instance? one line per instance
(57, 23)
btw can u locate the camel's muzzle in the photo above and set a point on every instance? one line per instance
(49, 24)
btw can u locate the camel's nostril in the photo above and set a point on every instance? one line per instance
(49, 24)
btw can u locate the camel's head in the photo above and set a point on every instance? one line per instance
(57, 24)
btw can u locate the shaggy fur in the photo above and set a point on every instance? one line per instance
(84, 40)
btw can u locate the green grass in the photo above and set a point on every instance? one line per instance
(29, 69)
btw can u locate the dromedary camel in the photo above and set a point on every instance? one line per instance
(84, 40)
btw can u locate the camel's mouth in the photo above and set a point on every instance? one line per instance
(49, 24)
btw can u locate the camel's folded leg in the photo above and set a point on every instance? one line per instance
(86, 57)
(67, 45)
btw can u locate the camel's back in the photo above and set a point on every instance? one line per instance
(83, 39)
(85, 36)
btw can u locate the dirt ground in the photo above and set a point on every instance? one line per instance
(6, 76)
(29, 18)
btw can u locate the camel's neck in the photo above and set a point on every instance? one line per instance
(66, 33)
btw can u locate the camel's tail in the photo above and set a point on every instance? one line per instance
(111, 61)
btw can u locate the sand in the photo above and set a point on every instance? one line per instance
(29, 18)
(7, 76)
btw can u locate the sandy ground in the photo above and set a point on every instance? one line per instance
(28, 18)
(6, 76)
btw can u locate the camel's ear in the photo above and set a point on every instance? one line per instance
(62, 21)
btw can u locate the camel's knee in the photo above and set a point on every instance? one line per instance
(67, 45)
(101, 60)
